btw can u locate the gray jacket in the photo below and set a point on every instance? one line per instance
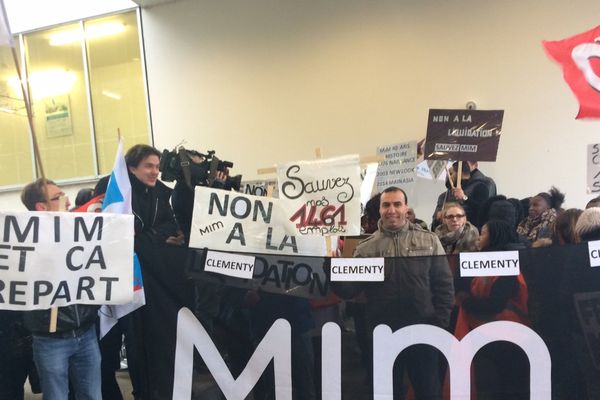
(417, 289)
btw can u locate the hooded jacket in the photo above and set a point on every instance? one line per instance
(416, 289)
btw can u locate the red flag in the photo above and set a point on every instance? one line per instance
(94, 205)
(580, 58)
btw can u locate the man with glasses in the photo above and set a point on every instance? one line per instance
(416, 289)
(70, 354)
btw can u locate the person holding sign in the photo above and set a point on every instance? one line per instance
(71, 354)
(457, 234)
(422, 287)
(474, 190)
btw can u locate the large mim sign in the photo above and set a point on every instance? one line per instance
(276, 346)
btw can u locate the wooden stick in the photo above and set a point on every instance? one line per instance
(363, 160)
(459, 175)
(38, 161)
(449, 177)
(328, 246)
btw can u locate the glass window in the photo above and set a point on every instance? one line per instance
(16, 159)
(117, 85)
(87, 83)
(60, 103)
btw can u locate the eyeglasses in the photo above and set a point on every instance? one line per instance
(57, 198)
(454, 216)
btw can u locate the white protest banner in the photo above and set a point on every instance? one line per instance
(236, 265)
(231, 221)
(53, 259)
(398, 167)
(594, 250)
(323, 195)
(593, 168)
(491, 263)
(357, 269)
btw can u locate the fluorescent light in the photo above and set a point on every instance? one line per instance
(112, 95)
(90, 32)
(46, 83)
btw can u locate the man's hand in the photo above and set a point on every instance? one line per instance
(459, 194)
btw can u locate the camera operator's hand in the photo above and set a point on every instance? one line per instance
(221, 176)
(220, 179)
(177, 240)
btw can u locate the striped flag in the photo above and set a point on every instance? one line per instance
(6, 38)
(118, 200)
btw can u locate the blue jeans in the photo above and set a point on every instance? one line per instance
(76, 358)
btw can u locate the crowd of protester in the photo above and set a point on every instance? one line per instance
(469, 216)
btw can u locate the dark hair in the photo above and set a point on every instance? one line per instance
(372, 207)
(371, 215)
(138, 153)
(501, 234)
(595, 202)
(554, 198)
(590, 235)
(392, 189)
(564, 226)
(101, 185)
(83, 196)
(35, 193)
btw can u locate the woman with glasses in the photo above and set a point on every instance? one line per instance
(456, 233)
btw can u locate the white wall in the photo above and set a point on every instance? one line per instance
(268, 81)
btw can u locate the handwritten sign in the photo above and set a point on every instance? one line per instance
(357, 269)
(236, 265)
(593, 168)
(323, 194)
(492, 263)
(467, 135)
(55, 259)
(398, 166)
(231, 221)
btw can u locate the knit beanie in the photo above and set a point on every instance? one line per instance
(588, 222)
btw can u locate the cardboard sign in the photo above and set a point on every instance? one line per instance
(322, 195)
(56, 258)
(594, 252)
(236, 265)
(259, 188)
(231, 221)
(357, 269)
(593, 168)
(398, 167)
(464, 135)
(492, 263)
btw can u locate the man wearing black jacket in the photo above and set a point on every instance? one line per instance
(150, 197)
(475, 189)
